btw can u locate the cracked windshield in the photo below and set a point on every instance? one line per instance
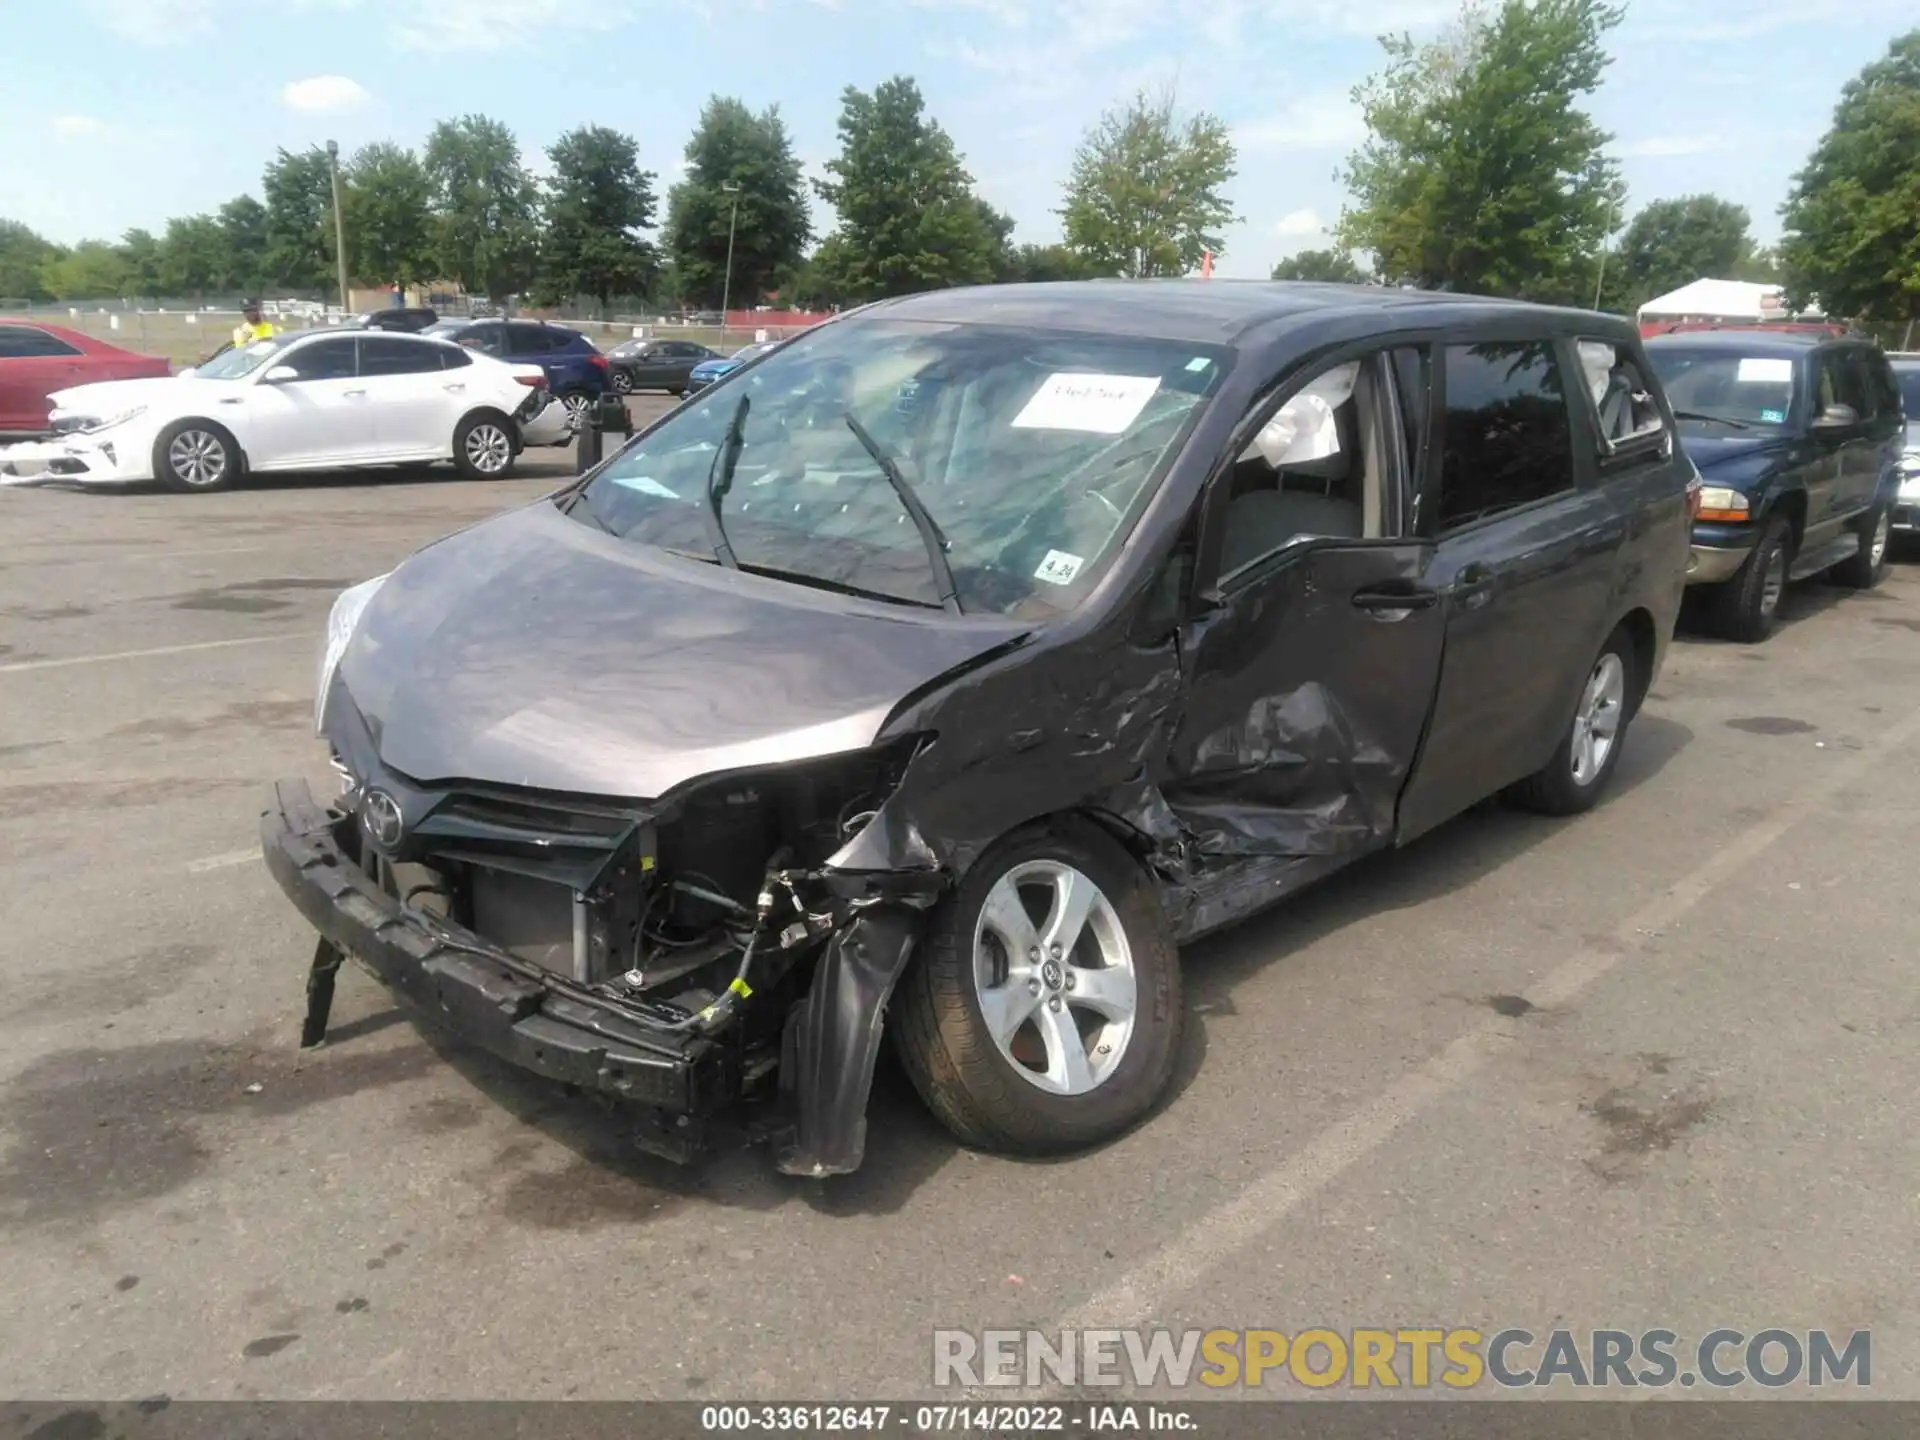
(1028, 455)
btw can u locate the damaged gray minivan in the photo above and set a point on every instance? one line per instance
(940, 673)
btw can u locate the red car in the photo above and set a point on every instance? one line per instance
(36, 360)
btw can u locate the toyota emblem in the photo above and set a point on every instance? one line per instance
(380, 817)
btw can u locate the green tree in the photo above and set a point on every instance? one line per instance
(298, 189)
(908, 217)
(92, 270)
(1673, 242)
(389, 205)
(1335, 265)
(190, 256)
(24, 256)
(243, 245)
(1852, 219)
(1004, 259)
(598, 202)
(487, 234)
(1480, 171)
(732, 146)
(143, 265)
(1036, 264)
(1144, 197)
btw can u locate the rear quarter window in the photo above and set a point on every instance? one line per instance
(1508, 438)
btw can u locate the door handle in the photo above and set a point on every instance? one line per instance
(353, 392)
(455, 388)
(1387, 599)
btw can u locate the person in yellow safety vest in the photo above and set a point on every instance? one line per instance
(251, 326)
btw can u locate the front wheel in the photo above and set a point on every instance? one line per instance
(483, 447)
(1589, 748)
(1744, 608)
(1043, 1013)
(196, 456)
(1867, 566)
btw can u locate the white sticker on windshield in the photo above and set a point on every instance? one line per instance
(1059, 568)
(1757, 371)
(1098, 404)
(646, 484)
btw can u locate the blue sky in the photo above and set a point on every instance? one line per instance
(123, 112)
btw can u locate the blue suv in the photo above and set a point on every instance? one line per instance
(576, 370)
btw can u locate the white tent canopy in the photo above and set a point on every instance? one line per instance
(1720, 300)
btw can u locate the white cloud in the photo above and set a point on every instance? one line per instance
(1324, 120)
(1661, 145)
(1298, 223)
(319, 94)
(74, 125)
(153, 22)
(442, 25)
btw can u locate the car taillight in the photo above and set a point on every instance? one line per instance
(536, 381)
(600, 362)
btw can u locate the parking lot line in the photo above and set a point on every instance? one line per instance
(65, 661)
(223, 862)
(1217, 1235)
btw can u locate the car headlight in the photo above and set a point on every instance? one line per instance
(96, 426)
(1720, 502)
(341, 621)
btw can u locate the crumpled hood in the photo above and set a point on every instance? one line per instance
(533, 650)
(111, 397)
(1711, 452)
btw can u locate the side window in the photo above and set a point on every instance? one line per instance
(527, 340)
(390, 355)
(1413, 380)
(1508, 440)
(484, 338)
(452, 357)
(1622, 400)
(1840, 383)
(1318, 467)
(20, 342)
(1861, 373)
(329, 359)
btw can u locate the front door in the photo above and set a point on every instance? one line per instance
(320, 416)
(1311, 671)
(1524, 563)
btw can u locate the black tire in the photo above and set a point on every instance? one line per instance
(1742, 608)
(188, 449)
(677, 391)
(623, 382)
(484, 446)
(579, 409)
(1863, 570)
(1560, 787)
(940, 1031)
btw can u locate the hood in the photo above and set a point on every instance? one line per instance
(1712, 452)
(714, 367)
(110, 397)
(535, 651)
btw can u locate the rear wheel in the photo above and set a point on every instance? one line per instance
(1867, 566)
(483, 446)
(1043, 1013)
(1589, 748)
(579, 405)
(623, 382)
(196, 456)
(1744, 608)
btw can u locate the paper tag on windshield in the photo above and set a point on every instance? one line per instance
(645, 484)
(1059, 568)
(1098, 404)
(1757, 371)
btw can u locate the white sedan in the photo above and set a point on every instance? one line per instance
(305, 400)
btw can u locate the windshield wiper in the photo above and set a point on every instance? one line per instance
(930, 536)
(1712, 419)
(720, 480)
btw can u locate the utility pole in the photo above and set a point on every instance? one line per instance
(339, 224)
(729, 187)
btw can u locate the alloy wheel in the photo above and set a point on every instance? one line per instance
(198, 458)
(1055, 977)
(576, 411)
(1882, 537)
(1596, 727)
(1774, 583)
(488, 449)
(623, 382)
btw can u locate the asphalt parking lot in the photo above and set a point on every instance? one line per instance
(1655, 1066)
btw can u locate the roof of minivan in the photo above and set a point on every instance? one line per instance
(1204, 311)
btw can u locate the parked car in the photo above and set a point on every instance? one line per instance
(806, 712)
(1906, 508)
(708, 371)
(1797, 439)
(576, 370)
(305, 400)
(410, 318)
(36, 360)
(656, 364)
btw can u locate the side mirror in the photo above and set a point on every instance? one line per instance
(279, 375)
(1837, 417)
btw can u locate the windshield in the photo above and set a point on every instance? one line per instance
(1725, 387)
(233, 364)
(1031, 453)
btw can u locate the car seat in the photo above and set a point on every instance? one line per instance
(1301, 498)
